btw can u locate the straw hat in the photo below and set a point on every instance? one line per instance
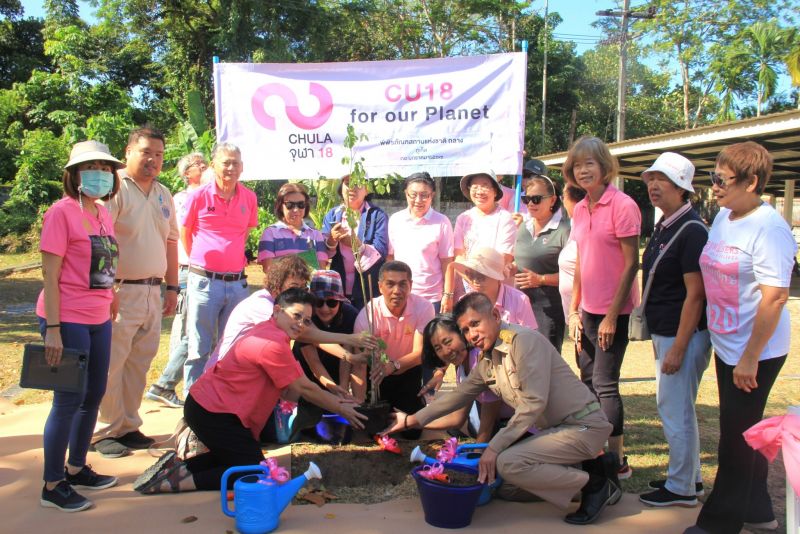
(485, 260)
(91, 151)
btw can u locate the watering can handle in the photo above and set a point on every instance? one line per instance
(471, 447)
(223, 485)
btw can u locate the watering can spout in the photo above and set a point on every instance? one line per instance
(418, 456)
(286, 492)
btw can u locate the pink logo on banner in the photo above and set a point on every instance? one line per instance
(305, 122)
(721, 281)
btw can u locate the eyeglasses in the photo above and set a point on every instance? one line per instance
(421, 196)
(295, 205)
(536, 199)
(331, 303)
(299, 318)
(480, 187)
(199, 164)
(720, 181)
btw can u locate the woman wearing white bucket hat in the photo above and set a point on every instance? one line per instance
(675, 316)
(79, 260)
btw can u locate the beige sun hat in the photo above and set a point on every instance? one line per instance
(91, 151)
(675, 167)
(465, 183)
(484, 260)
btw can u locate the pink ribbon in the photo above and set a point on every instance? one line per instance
(448, 450)
(276, 473)
(286, 407)
(776, 433)
(434, 472)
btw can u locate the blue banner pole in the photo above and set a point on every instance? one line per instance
(518, 188)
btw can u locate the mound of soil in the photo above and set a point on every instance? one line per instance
(361, 472)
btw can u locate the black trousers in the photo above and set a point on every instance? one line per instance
(600, 368)
(740, 487)
(401, 392)
(229, 444)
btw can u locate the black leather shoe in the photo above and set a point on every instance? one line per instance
(593, 503)
(610, 463)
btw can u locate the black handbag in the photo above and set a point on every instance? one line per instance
(68, 376)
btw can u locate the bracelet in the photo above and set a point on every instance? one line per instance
(405, 422)
(541, 279)
(574, 313)
(447, 294)
(57, 325)
(327, 244)
(176, 289)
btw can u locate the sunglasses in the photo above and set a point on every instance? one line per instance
(295, 205)
(536, 199)
(719, 180)
(331, 303)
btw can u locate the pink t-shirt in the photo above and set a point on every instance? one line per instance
(219, 228)
(253, 310)
(179, 199)
(397, 332)
(249, 381)
(507, 202)
(474, 229)
(598, 235)
(89, 258)
(421, 244)
(515, 307)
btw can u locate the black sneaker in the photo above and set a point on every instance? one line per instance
(88, 479)
(136, 440)
(658, 484)
(167, 397)
(64, 498)
(664, 497)
(110, 448)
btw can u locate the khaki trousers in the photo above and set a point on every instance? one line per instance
(135, 337)
(542, 464)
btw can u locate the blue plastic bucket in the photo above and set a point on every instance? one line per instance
(447, 506)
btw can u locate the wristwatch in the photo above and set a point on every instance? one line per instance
(396, 366)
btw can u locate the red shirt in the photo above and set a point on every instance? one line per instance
(248, 381)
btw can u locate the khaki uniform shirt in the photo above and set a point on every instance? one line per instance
(528, 374)
(143, 224)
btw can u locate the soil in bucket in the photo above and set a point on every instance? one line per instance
(449, 505)
(378, 415)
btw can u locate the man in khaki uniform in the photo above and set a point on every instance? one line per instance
(147, 232)
(521, 367)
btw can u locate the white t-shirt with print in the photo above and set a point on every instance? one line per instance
(741, 255)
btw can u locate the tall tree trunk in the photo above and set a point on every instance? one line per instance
(685, 78)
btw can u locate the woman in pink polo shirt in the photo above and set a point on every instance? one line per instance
(484, 225)
(79, 261)
(606, 226)
(291, 234)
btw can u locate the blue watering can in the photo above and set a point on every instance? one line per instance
(259, 500)
(467, 455)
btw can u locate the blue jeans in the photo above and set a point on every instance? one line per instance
(73, 415)
(210, 304)
(676, 395)
(178, 339)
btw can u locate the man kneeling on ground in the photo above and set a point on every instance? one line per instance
(521, 367)
(229, 405)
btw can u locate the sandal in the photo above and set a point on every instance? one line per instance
(157, 473)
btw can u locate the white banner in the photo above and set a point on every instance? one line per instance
(448, 116)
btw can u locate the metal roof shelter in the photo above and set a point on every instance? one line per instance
(778, 132)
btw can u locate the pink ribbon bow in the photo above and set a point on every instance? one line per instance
(448, 450)
(434, 472)
(276, 473)
(770, 435)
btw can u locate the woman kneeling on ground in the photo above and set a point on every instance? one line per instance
(228, 406)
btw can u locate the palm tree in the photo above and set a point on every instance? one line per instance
(767, 46)
(793, 60)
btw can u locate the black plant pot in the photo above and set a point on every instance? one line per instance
(378, 415)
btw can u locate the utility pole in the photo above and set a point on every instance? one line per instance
(625, 14)
(544, 84)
